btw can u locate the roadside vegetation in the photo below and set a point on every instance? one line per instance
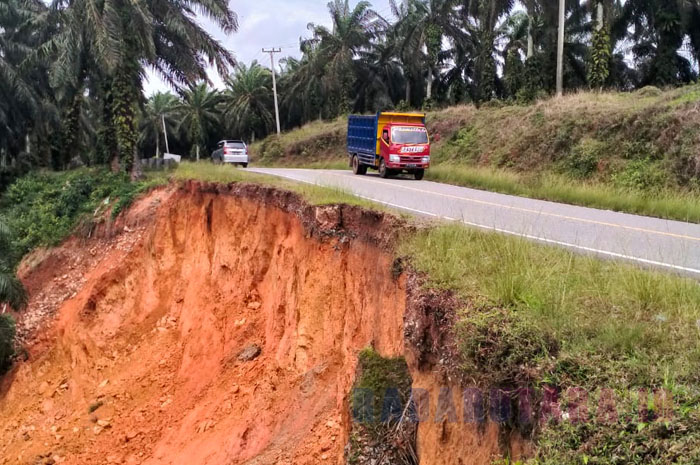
(633, 152)
(43, 208)
(315, 195)
(540, 316)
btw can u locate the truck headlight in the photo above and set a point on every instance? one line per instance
(394, 158)
(426, 160)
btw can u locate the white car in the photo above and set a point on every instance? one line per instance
(231, 151)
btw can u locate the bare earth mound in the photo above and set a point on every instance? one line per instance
(213, 325)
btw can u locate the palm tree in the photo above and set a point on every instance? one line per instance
(199, 115)
(423, 24)
(301, 86)
(353, 30)
(659, 30)
(382, 80)
(486, 29)
(122, 37)
(26, 104)
(600, 58)
(246, 104)
(161, 108)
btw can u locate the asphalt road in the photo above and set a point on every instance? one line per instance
(671, 245)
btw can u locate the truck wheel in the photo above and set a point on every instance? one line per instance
(244, 165)
(384, 172)
(357, 167)
(418, 174)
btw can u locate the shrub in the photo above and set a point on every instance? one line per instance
(465, 144)
(271, 149)
(7, 342)
(43, 208)
(649, 91)
(502, 348)
(583, 161)
(642, 175)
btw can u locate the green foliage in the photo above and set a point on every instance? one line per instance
(246, 104)
(378, 374)
(500, 346)
(7, 342)
(543, 315)
(583, 161)
(599, 60)
(562, 300)
(466, 143)
(533, 86)
(43, 208)
(199, 114)
(124, 117)
(673, 440)
(643, 175)
(514, 73)
(270, 149)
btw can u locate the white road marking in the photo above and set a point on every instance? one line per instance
(602, 252)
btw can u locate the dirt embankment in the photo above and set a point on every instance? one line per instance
(217, 325)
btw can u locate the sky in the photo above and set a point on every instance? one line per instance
(267, 23)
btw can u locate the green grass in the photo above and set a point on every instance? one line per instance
(43, 208)
(315, 195)
(665, 203)
(540, 315)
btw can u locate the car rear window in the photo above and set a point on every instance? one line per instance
(235, 145)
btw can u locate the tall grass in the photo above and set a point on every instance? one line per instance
(643, 324)
(668, 204)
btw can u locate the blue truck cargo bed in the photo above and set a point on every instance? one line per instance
(362, 137)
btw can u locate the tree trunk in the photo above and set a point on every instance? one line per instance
(106, 152)
(601, 17)
(115, 164)
(429, 88)
(136, 168)
(70, 128)
(530, 39)
(197, 150)
(408, 92)
(125, 117)
(158, 146)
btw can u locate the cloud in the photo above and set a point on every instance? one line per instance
(265, 23)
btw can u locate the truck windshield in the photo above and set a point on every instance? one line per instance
(409, 135)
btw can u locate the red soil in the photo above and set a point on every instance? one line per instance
(136, 359)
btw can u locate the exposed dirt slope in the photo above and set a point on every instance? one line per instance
(210, 325)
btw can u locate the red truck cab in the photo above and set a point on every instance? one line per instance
(389, 142)
(405, 147)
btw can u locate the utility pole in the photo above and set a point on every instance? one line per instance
(165, 132)
(272, 52)
(560, 48)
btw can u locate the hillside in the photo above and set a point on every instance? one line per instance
(635, 152)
